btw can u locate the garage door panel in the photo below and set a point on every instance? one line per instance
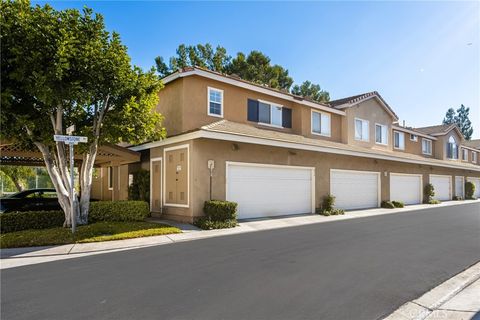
(406, 188)
(263, 191)
(442, 186)
(354, 190)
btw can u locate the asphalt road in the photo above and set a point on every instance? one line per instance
(353, 269)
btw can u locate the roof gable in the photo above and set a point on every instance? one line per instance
(441, 130)
(349, 102)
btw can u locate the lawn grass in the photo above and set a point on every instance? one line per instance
(99, 231)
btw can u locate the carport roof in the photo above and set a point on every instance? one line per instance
(108, 154)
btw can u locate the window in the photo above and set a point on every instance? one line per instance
(110, 178)
(215, 102)
(464, 154)
(452, 148)
(269, 113)
(320, 123)
(474, 157)
(413, 137)
(426, 146)
(361, 130)
(399, 140)
(381, 134)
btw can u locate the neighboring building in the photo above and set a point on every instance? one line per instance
(275, 153)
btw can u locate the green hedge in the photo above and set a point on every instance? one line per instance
(398, 204)
(218, 215)
(387, 204)
(17, 221)
(328, 207)
(118, 211)
(429, 192)
(469, 190)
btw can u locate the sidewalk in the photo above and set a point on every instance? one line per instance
(17, 257)
(456, 299)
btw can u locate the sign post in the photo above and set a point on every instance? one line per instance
(71, 141)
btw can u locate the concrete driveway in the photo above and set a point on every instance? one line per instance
(353, 269)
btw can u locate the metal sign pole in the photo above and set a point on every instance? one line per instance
(72, 186)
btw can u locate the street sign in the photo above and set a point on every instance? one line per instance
(70, 139)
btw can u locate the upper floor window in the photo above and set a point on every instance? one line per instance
(464, 154)
(268, 113)
(399, 140)
(215, 102)
(452, 148)
(361, 130)
(413, 137)
(426, 146)
(321, 123)
(381, 134)
(474, 157)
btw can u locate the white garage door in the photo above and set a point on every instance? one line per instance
(355, 189)
(442, 186)
(476, 182)
(267, 190)
(406, 188)
(459, 186)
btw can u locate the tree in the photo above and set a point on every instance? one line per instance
(463, 122)
(19, 175)
(203, 56)
(449, 116)
(60, 68)
(461, 119)
(312, 91)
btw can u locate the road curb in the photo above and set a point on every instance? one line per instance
(422, 307)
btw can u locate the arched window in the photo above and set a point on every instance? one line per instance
(452, 149)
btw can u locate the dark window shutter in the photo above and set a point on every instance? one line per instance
(286, 117)
(252, 113)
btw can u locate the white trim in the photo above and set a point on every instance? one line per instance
(431, 147)
(399, 147)
(161, 181)
(423, 135)
(407, 174)
(271, 104)
(379, 182)
(164, 175)
(244, 138)
(443, 176)
(208, 102)
(265, 165)
(386, 132)
(252, 87)
(415, 139)
(329, 125)
(354, 129)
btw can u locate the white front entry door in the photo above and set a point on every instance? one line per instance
(442, 186)
(355, 189)
(269, 190)
(406, 188)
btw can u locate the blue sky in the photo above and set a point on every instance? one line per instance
(423, 57)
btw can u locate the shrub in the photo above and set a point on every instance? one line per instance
(434, 201)
(327, 208)
(387, 204)
(17, 221)
(328, 203)
(118, 211)
(469, 190)
(218, 215)
(140, 188)
(457, 198)
(398, 204)
(429, 192)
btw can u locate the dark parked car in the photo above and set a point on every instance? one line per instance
(30, 200)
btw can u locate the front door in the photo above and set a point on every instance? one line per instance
(156, 186)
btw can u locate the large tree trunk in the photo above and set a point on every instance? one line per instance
(86, 172)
